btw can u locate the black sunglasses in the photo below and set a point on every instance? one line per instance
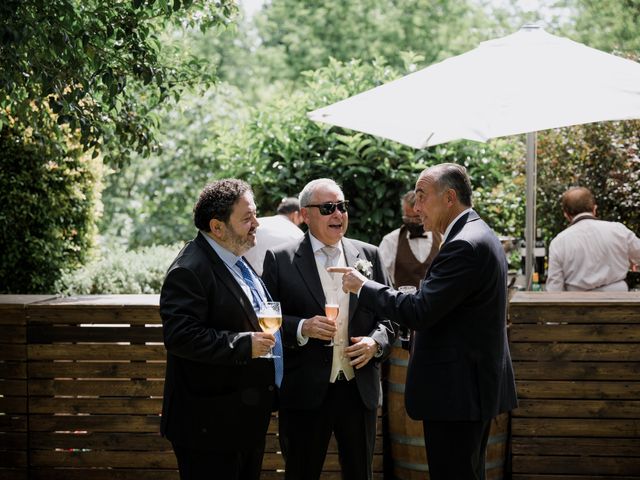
(328, 208)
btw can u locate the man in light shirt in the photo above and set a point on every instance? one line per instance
(275, 231)
(408, 251)
(327, 389)
(590, 254)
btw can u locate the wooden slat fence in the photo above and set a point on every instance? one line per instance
(81, 382)
(577, 366)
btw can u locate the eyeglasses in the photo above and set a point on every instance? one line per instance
(328, 208)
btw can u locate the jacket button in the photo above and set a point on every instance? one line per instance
(271, 388)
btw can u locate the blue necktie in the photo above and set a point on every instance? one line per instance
(248, 278)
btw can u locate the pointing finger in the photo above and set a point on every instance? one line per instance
(339, 269)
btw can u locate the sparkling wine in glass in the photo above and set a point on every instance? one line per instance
(331, 311)
(270, 320)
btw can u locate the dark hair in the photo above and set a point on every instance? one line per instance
(577, 200)
(217, 200)
(409, 198)
(289, 205)
(455, 177)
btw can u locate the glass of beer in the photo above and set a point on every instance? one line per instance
(270, 319)
(331, 311)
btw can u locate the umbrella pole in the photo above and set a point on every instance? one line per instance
(530, 225)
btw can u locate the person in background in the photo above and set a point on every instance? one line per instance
(218, 395)
(590, 254)
(327, 388)
(275, 231)
(460, 375)
(408, 251)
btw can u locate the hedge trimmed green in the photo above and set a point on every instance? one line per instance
(47, 222)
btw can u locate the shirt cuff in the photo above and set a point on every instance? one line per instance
(360, 289)
(302, 340)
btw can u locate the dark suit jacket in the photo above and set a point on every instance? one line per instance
(291, 275)
(215, 396)
(460, 367)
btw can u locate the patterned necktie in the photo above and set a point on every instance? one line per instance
(331, 253)
(248, 278)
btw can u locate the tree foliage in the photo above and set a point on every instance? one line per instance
(609, 25)
(299, 36)
(99, 66)
(49, 207)
(80, 76)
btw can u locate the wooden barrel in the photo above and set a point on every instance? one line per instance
(406, 435)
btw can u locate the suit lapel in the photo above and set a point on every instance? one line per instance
(224, 275)
(470, 216)
(305, 262)
(351, 255)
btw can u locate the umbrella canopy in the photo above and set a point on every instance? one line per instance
(524, 82)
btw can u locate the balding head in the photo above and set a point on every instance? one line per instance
(578, 200)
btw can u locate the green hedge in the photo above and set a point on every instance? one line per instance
(49, 200)
(121, 271)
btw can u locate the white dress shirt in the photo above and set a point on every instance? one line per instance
(332, 287)
(592, 255)
(272, 232)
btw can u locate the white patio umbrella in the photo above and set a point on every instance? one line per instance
(522, 83)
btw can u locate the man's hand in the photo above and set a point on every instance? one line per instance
(352, 280)
(362, 350)
(319, 327)
(261, 343)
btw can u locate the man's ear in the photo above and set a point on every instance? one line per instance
(304, 215)
(595, 210)
(567, 216)
(217, 228)
(452, 196)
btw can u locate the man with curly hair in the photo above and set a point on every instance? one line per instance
(218, 393)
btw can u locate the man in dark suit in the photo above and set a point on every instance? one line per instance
(327, 388)
(460, 374)
(218, 394)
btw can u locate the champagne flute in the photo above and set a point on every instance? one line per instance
(331, 311)
(403, 333)
(270, 320)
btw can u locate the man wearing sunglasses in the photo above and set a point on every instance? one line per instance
(327, 389)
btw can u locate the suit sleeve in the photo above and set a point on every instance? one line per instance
(451, 280)
(270, 277)
(385, 332)
(184, 309)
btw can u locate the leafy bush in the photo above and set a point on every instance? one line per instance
(49, 199)
(121, 271)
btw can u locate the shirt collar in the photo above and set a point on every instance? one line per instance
(453, 222)
(227, 256)
(317, 244)
(580, 215)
